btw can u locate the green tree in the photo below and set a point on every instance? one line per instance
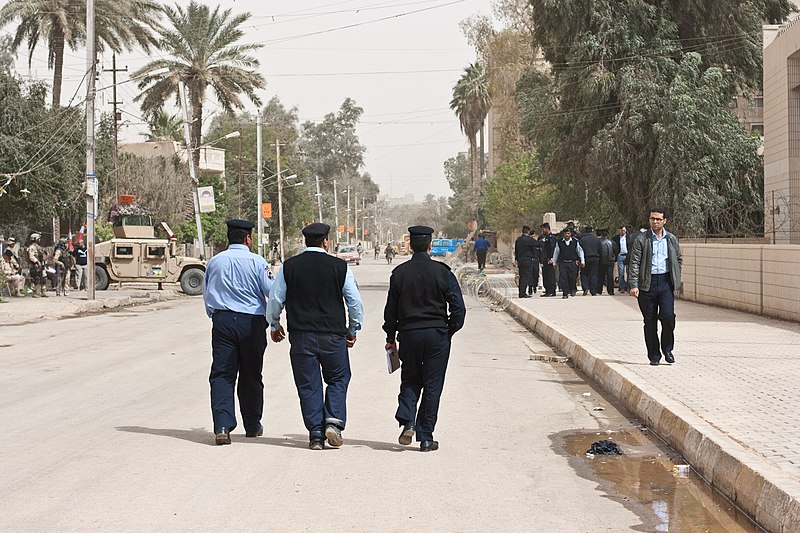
(119, 25)
(7, 54)
(42, 156)
(471, 105)
(462, 207)
(165, 127)
(633, 109)
(203, 49)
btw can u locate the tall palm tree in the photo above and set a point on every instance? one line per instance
(204, 53)
(471, 101)
(119, 25)
(165, 127)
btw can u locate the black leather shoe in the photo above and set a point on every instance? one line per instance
(669, 358)
(316, 443)
(654, 363)
(223, 436)
(428, 446)
(406, 434)
(564, 297)
(255, 433)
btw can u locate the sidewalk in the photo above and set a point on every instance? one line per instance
(730, 404)
(25, 310)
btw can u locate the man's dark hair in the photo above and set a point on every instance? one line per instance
(315, 241)
(657, 209)
(526, 229)
(420, 244)
(237, 235)
(8, 252)
(588, 229)
(622, 227)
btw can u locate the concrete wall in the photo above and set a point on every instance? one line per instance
(761, 279)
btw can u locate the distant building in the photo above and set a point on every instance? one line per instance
(212, 159)
(408, 199)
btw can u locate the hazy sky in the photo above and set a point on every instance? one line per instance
(400, 70)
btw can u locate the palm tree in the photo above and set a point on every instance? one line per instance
(471, 100)
(165, 127)
(119, 25)
(204, 53)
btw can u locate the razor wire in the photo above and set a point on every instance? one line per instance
(492, 292)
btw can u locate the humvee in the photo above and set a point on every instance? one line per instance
(136, 255)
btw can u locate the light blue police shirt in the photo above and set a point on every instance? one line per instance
(660, 263)
(237, 280)
(355, 308)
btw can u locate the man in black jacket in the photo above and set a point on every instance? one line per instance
(622, 242)
(591, 251)
(421, 291)
(526, 255)
(548, 242)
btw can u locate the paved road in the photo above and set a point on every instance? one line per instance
(106, 426)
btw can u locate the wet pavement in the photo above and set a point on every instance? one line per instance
(729, 404)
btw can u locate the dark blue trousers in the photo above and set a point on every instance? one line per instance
(658, 304)
(549, 278)
(526, 265)
(424, 354)
(310, 352)
(238, 342)
(589, 278)
(606, 278)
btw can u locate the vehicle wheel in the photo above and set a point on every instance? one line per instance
(100, 278)
(192, 281)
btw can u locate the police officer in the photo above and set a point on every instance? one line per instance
(526, 254)
(568, 255)
(235, 291)
(420, 292)
(549, 243)
(313, 287)
(36, 258)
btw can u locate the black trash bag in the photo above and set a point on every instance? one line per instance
(604, 447)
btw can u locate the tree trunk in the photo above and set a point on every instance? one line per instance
(58, 63)
(482, 169)
(196, 128)
(473, 155)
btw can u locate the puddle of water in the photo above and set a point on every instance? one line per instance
(642, 481)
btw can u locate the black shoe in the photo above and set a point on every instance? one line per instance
(406, 434)
(428, 446)
(585, 292)
(655, 362)
(573, 293)
(534, 290)
(564, 297)
(669, 358)
(255, 433)
(316, 443)
(223, 436)
(334, 435)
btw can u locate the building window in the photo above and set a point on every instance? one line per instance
(757, 129)
(756, 102)
(734, 103)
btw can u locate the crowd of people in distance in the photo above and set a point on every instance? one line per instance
(35, 269)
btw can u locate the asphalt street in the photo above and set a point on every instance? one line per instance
(106, 426)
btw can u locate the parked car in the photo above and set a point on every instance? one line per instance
(349, 254)
(442, 247)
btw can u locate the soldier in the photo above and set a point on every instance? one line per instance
(315, 287)
(13, 245)
(421, 292)
(37, 270)
(12, 272)
(235, 291)
(62, 260)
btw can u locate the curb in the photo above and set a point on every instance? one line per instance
(768, 495)
(106, 304)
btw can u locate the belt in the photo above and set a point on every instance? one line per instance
(568, 260)
(622, 255)
(664, 274)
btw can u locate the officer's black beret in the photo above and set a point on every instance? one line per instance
(545, 225)
(8, 252)
(420, 231)
(316, 229)
(235, 223)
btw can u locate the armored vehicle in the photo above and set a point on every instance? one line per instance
(136, 255)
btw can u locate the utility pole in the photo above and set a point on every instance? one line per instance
(91, 177)
(319, 201)
(239, 212)
(117, 119)
(364, 220)
(347, 227)
(377, 224)
(355, 218)
(260, 185)
(336, 211)
(192, 172)
(280, 194)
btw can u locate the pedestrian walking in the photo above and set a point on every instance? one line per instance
(314, 287)
(568, 255)
(424, 309)
(236, 287)
(622, 242)
(655, 275)
(549, 242)
(481, 247)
